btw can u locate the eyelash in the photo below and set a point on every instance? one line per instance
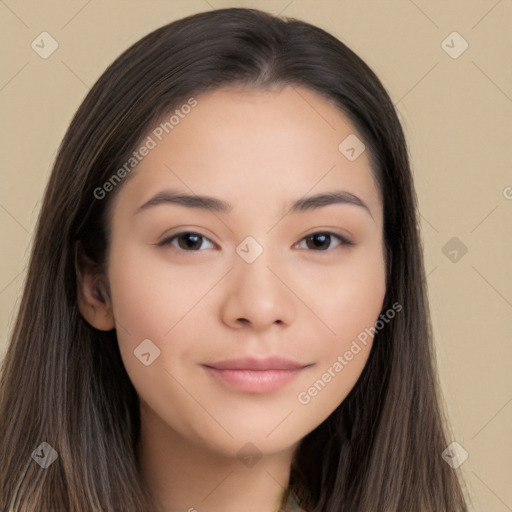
(343, 241)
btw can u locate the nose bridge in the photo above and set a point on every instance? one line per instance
(253, 270)
(256, 295)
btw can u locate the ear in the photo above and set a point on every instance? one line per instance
(92, 292)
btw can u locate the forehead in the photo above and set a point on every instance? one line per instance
(253, 148)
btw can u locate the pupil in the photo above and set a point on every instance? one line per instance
(323, 241)
(192, 241)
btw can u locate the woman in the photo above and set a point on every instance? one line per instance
(225, 305)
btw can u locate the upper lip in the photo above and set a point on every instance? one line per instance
(252, 363)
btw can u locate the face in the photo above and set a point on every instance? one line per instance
(236, 317)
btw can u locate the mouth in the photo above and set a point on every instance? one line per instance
(256, 375)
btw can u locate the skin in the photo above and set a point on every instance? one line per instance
(260, 151)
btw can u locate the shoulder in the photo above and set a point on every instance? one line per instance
(291, 502)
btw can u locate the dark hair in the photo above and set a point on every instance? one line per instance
(63, 382)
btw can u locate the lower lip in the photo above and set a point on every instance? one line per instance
(255, 381)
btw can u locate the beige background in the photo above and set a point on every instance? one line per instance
(457, 116)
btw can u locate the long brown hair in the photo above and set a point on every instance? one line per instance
(63, 382)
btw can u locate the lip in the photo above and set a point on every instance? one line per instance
(253, 363)
(256, 375)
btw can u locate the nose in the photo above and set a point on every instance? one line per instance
(257, 296)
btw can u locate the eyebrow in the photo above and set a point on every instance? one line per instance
(213, 204)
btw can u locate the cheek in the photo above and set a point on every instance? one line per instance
(149, 295)
(348, 302)
(163, 303)
(339, 367)
(347, 297)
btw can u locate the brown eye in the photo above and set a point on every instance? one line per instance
(322, 241)
(186, 241)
